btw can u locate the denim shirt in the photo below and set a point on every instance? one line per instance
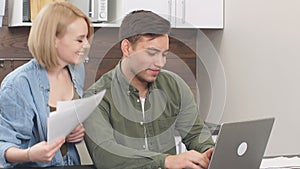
(24, 109)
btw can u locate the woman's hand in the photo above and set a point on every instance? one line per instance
(43, 151)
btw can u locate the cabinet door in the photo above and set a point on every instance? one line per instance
(199, 14)
(165, 8)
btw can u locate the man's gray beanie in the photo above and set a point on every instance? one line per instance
(143, 22)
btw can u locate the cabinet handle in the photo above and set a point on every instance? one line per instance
(183, 11)
(92, 8)
(170, 10)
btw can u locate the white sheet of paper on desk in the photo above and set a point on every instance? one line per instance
(281, 162)
(70, 114)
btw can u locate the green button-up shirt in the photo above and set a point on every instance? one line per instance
(120, 135)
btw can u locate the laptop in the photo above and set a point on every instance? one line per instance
(241, 145)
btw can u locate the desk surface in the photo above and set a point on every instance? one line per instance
(267, 163)
(62, 167)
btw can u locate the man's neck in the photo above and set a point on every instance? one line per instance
(142, 87)
(132, 79)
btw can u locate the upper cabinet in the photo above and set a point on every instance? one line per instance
(165, 8)
(183, 13)
(2, 8)
(206, 14)
(199, 14)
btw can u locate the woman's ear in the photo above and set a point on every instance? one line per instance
(125, 48)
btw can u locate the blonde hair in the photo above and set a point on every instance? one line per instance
(51, 22)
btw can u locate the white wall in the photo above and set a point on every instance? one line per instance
(259, 48)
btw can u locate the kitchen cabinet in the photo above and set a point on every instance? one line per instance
(183, 13)
(199, 13)
(206, 14)
(165, 8)
(2, 8)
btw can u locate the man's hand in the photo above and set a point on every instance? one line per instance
(76, 135)
(190, 159)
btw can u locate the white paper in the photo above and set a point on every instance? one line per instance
(70, 114)
(281, 162)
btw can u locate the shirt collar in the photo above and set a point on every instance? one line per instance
(42, 75)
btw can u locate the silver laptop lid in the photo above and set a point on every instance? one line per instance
(241, 145)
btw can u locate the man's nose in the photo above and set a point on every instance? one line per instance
(160, 61)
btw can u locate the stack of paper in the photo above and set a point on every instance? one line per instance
(70, 114)
(280, 162)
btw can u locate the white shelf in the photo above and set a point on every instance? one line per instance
(106, 25)
(25, 24)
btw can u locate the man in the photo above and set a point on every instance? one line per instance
(135, 123)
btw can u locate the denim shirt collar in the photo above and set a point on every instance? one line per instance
(76, 77)
(42, 77)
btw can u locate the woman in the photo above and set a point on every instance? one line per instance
(59, 40)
